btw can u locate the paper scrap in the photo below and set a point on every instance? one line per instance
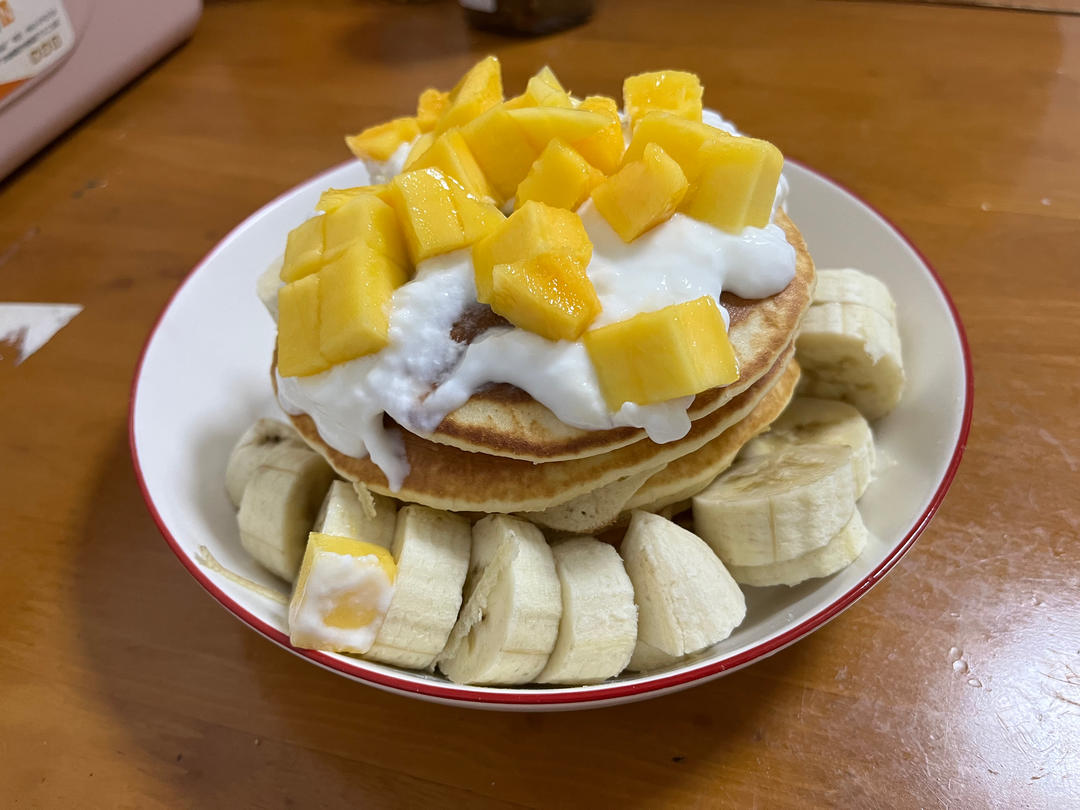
(28, 327)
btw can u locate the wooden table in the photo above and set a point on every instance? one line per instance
(123, 685)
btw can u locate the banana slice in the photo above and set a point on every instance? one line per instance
(267, 285)
(838, 553)
(255, 448)
(849, 286)
(686, 599)
(779, 506)
(510, 620)
(342, 514)
(279, 507)
(431, 549)
(594, 510)
(820, 421)
(598, 627)
(851, 352)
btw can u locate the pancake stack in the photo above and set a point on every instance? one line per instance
(503, 452)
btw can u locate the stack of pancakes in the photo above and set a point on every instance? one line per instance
(504, 452)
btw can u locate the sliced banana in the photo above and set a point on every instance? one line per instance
(779, 506)
(342, 514)
(851, 352)
(686, 599)
(279, 507)
(254, 448)
(267, 285)
(510, 620)
(598, 627)
(431, 549)
(850, 286)
(838, 553)
(820, 421)
(594, 510)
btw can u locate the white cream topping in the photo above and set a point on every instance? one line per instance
(335, 578)
(422, 374)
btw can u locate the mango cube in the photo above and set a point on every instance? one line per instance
(437, 215)
(542, 90)
(676, 351)
(354, 303)
(533, 230)
(737, 183)
(382, 140)
(560, 177)
(501, 149)
(478, 90)
(542, 124)
(478, 217)
(334, 198)
(429, 107)
(368, 220)
(603, 149)
(303, 250)
(416, 151)
(642, 194)
(672, 91)
(452, 156)
(683, 141)
(549, 294)
(298, 353)
(342, 594)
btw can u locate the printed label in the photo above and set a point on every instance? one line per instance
(35, 35)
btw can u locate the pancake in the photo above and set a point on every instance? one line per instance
(457, 480)
(506, 421)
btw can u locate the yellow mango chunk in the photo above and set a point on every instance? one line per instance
(478, 90)
(673, 91)
(382, 140)
(737, 183)
(549, 294)
(428, 217)
(603, 149)
(560, 177)
(298, 353)
(368, 220)
(542, 90)
(501, 149)
(452, 156)
(542, 124)
(642, 194)
(303, 250)
(682, 140)
(342, 594)
(416, 151)
(354, 303)
(429, 107)
(478, 217)
(533, 230)
(677, 351)
(334, 198)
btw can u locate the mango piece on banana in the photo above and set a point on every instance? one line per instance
(342, 594)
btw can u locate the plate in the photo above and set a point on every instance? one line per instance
(204, 377)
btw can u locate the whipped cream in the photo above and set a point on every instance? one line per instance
(422, 374)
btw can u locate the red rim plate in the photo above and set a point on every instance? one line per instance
(616, 692)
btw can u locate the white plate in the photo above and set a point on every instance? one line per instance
(204, 377)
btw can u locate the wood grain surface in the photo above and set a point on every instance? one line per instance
(955, 683)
